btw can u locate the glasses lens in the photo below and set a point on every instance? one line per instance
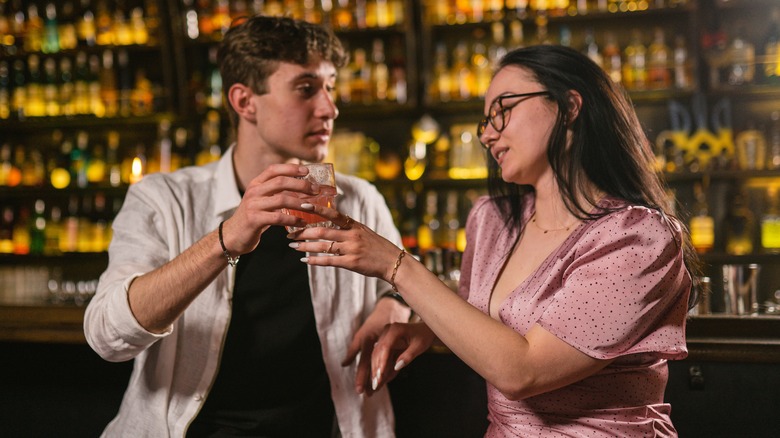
(497, 116)
(481, 127)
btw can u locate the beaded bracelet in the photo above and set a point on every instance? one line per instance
(231, 261)
(395, 270)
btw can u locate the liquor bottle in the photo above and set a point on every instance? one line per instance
(36, 106)
(81, 84)
(113, 165)
(86, 28)
(84, 224)
(773, 140)
(682, 69)
(151, 19)
(33, 39)
(160, 158)
(612, 59)
(210, 150)
(104, 29)
(52, 232)
(59, 175)
(66, 26)
(772, 49)
(21, 231)
(658, 73)
(138, 28)
(5, 90)
(428, 230)
(10, 174)
(480, 64)
(361, 78)
(380, 75)
(214, 96)
(739, 226)
(451, 222)
(108, 86)
(79, 160)
(142, 96)
(440, 158)
(34, 170)
(7, 230)
(591, 48)
(342, 15)
(410, 222)
(94, 89)
(98, 224)
(494, 10)
(125, 83)
(38, 228)
(70, 227)
(122, 31)
(51, 36)
(701, 223)
(67, 90)
(397, 91)
(220, 18)
(442, 83)
(50, 88)
(635, 67)
(19, 93)
(463, 78)
(497, 47)
(741, 57)
(96, 167)
(770, 224)
(417, 160)
(751, 148)
(180, 156)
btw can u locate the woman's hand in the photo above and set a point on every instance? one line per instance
(352, 246)
(277, 187)
(398, 346)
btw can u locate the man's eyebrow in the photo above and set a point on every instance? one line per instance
(311, 75)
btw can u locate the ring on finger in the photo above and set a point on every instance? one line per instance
(327, 251)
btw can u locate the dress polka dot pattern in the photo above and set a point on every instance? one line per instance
(617, 289)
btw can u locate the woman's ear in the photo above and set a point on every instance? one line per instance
(575, 104)
(240, 98)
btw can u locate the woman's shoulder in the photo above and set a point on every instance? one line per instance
(622, 218)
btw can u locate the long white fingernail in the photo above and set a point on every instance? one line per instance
(398, 365)
(305, 259)
(307, 206)
(294, 244)
(375, 380)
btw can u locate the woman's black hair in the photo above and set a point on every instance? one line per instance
(608, 146)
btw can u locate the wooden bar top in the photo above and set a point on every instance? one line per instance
(721, 338)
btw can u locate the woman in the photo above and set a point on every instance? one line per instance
(575, 280)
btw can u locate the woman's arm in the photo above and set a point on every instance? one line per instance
(518, 366)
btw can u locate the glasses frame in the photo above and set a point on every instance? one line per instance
(504, 111)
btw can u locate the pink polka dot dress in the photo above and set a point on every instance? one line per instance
(617, 288)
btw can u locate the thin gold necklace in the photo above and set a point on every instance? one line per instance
(567, 228)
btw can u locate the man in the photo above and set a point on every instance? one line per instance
(261, 344)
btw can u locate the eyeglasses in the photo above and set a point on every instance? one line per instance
(499, 114)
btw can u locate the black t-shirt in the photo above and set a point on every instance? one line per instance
(271, 380)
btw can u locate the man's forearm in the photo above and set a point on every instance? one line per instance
(158, 297)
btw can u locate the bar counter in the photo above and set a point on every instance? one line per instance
(717, 338)
(726, 387)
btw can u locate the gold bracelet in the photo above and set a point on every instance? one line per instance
(395, 270)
